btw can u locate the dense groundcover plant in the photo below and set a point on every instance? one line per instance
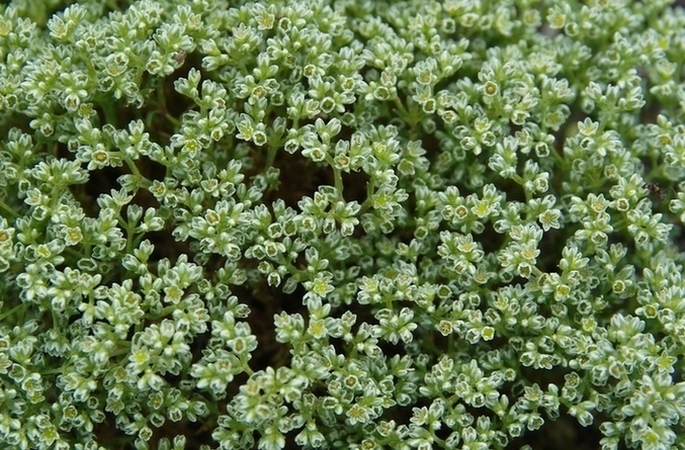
(341, 224)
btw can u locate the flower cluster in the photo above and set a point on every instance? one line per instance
(341, 224)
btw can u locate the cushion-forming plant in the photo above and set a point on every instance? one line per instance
(345, 224)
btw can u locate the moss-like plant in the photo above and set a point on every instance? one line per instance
(345, 224)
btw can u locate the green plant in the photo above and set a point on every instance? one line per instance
(341, 224)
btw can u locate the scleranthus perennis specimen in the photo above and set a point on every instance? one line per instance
(341, 224)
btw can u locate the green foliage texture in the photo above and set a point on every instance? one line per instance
(341, 224)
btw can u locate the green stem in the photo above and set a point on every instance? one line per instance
(561, 162)
(134, 170)
(370, 186)
(271, 155)
(337, 177)
(403, 112)
(110, 115)
(4, 206)
(19, 308)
